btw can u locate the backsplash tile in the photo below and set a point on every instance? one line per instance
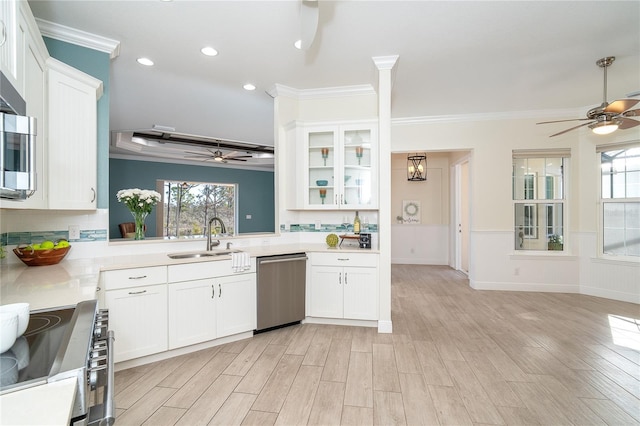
(325, 227)
(15, 238)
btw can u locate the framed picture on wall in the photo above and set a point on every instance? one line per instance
(411, 211)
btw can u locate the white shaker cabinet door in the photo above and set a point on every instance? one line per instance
(72, 152)
(236, 305)
(326, 292)
(360, 293)
(138, 317)
(192, 312)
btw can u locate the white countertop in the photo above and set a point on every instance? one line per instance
(48, 404)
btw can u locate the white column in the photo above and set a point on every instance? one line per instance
(385, 65)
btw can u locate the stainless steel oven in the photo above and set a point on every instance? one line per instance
(69, 342)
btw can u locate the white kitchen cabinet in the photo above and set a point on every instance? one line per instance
(192, 312)
(72, 175)
(208, 300)
(236, 304)
(11, 40)
(344, 285)
(138, 317)
(137, 303)
(336, 166)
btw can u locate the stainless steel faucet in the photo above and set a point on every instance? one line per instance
(223, 230)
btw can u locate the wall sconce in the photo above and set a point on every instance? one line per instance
(416, 167)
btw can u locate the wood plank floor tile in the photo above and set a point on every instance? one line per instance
(388, 408)
(337, 364)
(146, 383)
(245, 359)
(359, 389)
(385, 370)
(357, 416)
(407, 358)
(259, 418)
(198, 384)
(192, 364)
(449, 406)
(609, 412)
(417, 402)
(203, 410)
(257, 376)
(139, 412)
(234, 409)
(277, 387)
(435, 373)
(297, 406)
(164, 416)
(517, 416)
(327, 405)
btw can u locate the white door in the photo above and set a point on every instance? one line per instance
(236, 305)
(192, 312)
(326, 292)
(138, 318)
(462, 216)
(360, 293)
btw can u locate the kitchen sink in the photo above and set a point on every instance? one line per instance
(196, 254)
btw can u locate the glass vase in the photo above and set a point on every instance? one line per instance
(139, 218)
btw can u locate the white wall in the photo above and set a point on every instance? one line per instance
(494, 264)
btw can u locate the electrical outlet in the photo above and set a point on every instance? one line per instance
(74, 232)
(287, 225)
(318, 225)
(516, 271)
(248, 216)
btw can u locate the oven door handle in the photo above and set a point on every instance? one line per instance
(104, 414)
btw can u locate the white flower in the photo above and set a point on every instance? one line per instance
(139, 200)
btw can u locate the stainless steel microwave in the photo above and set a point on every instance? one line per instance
(17, 145)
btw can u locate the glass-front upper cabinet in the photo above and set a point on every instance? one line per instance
(340, 166)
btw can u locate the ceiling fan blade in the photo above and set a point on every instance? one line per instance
(627, 123)
(235, 159)
(572, 128)
(562, 121)
(621, 105)
(631, 113)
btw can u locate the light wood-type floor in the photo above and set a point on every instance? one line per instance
(456, 356)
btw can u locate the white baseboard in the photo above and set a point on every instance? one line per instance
(385, 327)
(414, 261)
(537, 287)
(610, 294)
(338, 321)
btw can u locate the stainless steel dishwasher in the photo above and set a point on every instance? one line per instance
(281, 290)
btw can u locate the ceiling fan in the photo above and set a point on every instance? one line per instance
(608, 117)
(217, 156)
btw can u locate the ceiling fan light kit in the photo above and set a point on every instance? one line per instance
(608, 117)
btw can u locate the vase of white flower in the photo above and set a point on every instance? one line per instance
(140, 203)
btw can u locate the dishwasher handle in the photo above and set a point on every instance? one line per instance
(290, 259)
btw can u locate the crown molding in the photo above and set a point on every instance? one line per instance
(328, 92)
(385, 62)
(490, 116)
(79, 37)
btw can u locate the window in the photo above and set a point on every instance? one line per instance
(538, 196)
(187, 208)
(620, 200)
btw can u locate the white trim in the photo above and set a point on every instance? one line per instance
(610, 294)
(327, 92)
(489, 116)
(385, 327)
(385, 62)
(340, 321)
(537, 287)
(119, 156)
(79, 37)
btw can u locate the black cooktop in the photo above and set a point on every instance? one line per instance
(36, 350)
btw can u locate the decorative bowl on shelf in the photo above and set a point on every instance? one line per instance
(322, 182)
(32, 257)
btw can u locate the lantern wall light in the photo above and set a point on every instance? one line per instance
(416, 167)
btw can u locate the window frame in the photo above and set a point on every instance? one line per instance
(602, 202)
(543, 206)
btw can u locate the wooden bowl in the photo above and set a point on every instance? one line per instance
(41, 257)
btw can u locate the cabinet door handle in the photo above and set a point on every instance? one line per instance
(220, 290)
(94, 195)
(4, 33)
(341, 199)
(345, 278)
(340, 278)
(213, 291)
(343, 258)
(336, 199)
(141, 277)
(138, 292)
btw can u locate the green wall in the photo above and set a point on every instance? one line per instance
(96, 64)
(255, 191)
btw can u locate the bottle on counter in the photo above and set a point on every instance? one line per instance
(356, 224)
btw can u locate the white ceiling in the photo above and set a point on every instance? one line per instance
(455, 57)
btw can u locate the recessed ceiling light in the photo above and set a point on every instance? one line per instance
(145, 61)
(209, 51)
(249, 86)
(298, 44)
